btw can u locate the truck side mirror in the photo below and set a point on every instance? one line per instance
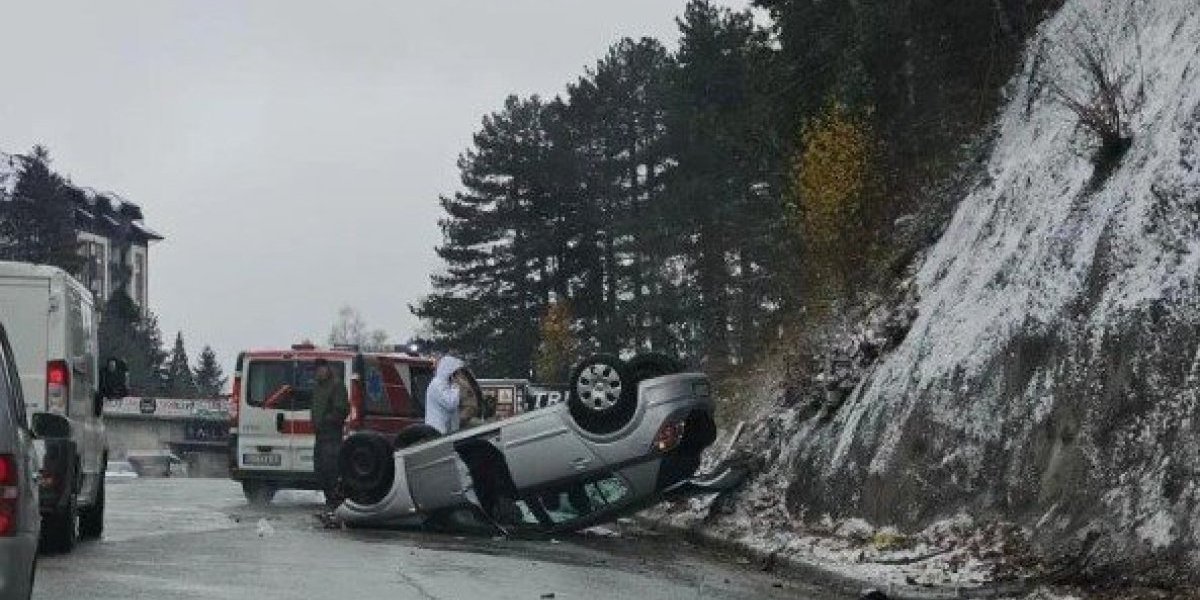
(114, 381)
(50, 426)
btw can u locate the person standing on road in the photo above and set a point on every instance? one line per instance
(442, 399)
(329, 410)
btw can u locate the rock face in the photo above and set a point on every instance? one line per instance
(1052, 372)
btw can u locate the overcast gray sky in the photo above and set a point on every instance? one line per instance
(290, 151)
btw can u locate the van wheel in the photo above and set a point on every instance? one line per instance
(259, 493)
(91, 519)
(603, 397)
(60, 529)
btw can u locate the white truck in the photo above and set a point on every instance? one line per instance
(52, 325)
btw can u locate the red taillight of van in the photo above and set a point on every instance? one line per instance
(58, 385)
(235, 395)
(235, 400)
(9, 495)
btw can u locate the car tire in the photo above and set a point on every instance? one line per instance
(413, 435)
(602, 398)
(367, 467)
(258, 493)
(91, 519)
(60, 529)
(651, 365)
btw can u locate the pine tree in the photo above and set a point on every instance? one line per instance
(209, 377)
(180, 382)
(508, 238)
(129, 334)
(722, 220)
(616, 112)
(37, 223)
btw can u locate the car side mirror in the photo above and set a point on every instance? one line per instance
(114, 382)
(50, 426)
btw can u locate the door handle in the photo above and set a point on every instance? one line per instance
(279, 422)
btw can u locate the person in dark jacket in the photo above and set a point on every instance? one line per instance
(330, 407)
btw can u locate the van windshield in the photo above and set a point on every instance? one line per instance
(285, 384)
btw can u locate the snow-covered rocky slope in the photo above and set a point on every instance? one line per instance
(1051, 376)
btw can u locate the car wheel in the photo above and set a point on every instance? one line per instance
(413, 435)
(60, 529)
(258, 493)
(367, 467)
(651, 365)
(602, 397)
(91, 519)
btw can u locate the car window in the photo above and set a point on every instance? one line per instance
(573, 501)
(421, 376)
(8, 409)
(386, 392)
(286, 384)
(12, 402)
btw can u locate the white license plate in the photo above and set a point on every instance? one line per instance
(262, 460)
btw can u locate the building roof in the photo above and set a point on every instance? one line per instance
(107, 214)
(146, 232)
(102, 213)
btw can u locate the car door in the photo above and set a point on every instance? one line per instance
(262, 441)
(11, 397)
(297, 423)
(542, 448)
(80, 355)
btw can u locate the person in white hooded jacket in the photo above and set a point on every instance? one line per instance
(443, 396)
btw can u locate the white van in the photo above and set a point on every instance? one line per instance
(52, 325)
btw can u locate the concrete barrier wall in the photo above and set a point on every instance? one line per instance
(134, 435)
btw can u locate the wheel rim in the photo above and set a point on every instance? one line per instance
(363, 463)
(599, 387)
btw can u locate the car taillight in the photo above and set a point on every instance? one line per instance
(668, 436)
(235, 400)
(58, 385)
(9, 495)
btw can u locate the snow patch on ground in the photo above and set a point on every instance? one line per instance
(953, 553)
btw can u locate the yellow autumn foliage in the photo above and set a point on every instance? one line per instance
(557, 346)
(831, 178)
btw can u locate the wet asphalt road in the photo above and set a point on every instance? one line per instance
(196, 538)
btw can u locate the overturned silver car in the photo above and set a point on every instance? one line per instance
(629, 435)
